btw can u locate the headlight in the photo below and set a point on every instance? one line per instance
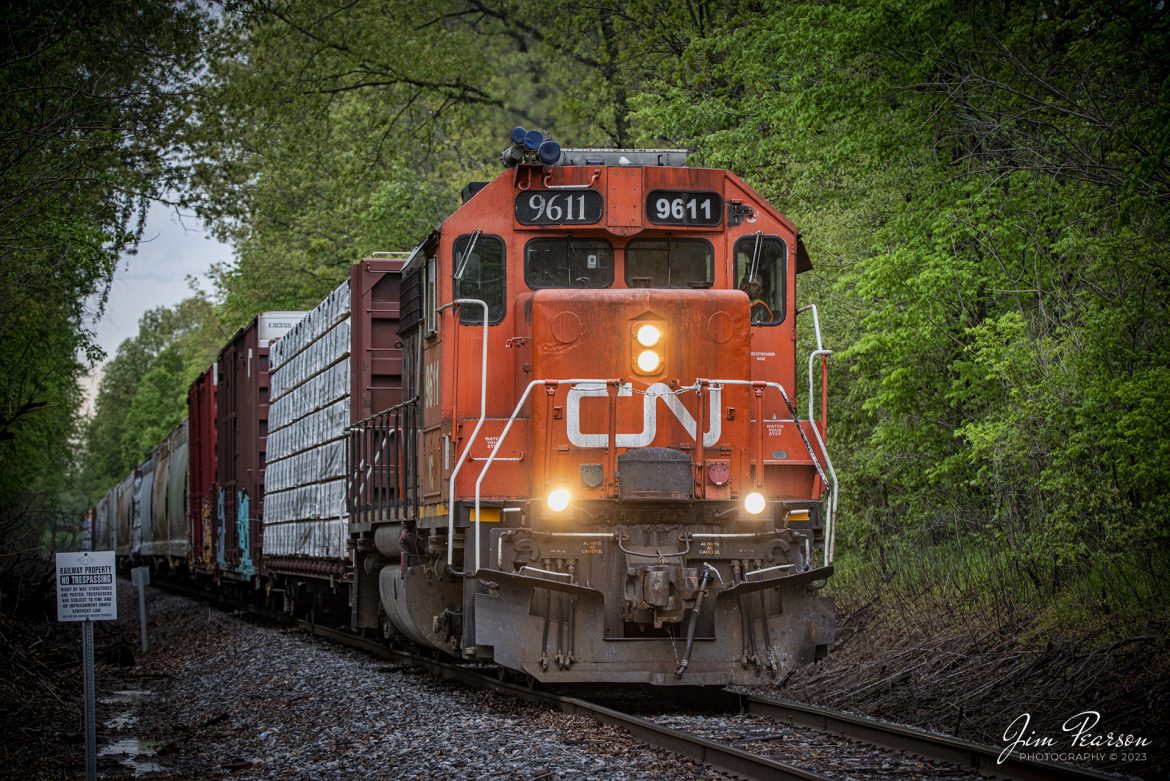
(648, 361)
(558, 500)
(647, 346)
(648, 335)
(755, 503)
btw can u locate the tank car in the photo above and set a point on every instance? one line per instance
(597, 471)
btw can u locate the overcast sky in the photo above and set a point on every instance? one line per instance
(171, 251)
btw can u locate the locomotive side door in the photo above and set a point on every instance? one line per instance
(431, 466)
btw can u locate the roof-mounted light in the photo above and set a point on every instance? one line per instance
(533, 140)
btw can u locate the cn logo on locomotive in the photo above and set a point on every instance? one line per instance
(645, 437)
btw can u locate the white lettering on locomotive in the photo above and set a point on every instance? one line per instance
(431, 385)
(649, 415)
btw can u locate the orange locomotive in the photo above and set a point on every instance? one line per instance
(598, 472)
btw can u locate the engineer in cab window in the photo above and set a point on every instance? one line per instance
(760, 264)
(760, 311)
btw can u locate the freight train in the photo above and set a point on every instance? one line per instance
(561, 435)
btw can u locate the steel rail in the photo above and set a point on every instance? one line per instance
(901, 738)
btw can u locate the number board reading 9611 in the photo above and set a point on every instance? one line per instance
(670, 207)
(570, 207)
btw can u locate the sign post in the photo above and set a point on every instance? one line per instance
(140, 576)
(87, 592)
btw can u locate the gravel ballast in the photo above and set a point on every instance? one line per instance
(227, 695)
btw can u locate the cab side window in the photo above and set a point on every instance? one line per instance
(760, 271)
(479, 273)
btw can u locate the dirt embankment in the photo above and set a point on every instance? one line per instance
(977, 681)
(41, 718)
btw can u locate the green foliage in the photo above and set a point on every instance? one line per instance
(159, 404)
(989, 192)
(143, 391)
(984, 191)
(88, 115)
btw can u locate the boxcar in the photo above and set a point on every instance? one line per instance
(201, 542)
(337, 365)
(241, 433)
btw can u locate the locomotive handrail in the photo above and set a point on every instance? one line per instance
(363, 483)
(821, 351)
(400, 405)
(365, 470)
(658, 553)
(544, 533)
(549, 186)
(831, 540)
(733, 535)
(355, 427)
(492, 456)
(830, 521)
(470, 439)
(527, 568)
(830, 534)
(824, 353)
(776, 568)
(816, 321)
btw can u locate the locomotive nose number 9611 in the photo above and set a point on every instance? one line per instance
(573, 207)
(671, 207)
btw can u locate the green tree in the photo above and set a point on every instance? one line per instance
(985, 192)
(159, 404)
(143, 390)
(90, 105)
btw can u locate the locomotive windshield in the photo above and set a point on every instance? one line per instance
(568, 262)
(670, 263)
(480, 274)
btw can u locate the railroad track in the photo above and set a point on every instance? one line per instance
(977, 758)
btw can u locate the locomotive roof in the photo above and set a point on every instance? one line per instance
(615, 158)
(635, 158)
